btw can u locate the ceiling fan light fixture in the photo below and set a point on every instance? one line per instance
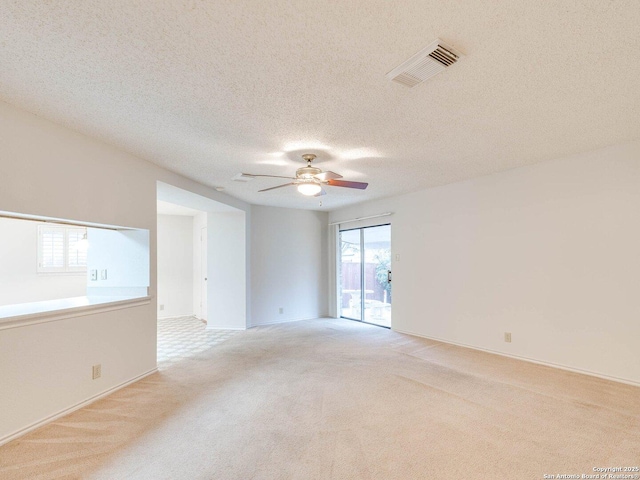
(309, 180)
(309, 189)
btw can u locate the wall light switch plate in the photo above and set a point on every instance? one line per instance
(94, 275)
(103, 274)
(397, 257)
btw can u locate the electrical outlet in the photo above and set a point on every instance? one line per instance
(507, 337)
(161, 307)
(97, 371)
(281, 310)
(103, 274)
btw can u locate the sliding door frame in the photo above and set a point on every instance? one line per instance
(362, 272)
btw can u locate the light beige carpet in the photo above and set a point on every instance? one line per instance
(334, 399)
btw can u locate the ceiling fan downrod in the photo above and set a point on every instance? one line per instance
(309, 157)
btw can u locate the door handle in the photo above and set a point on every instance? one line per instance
(388, 276)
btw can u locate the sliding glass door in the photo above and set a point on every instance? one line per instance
(365, 274)
(351, 274)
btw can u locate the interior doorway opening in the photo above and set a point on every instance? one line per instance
(365, 274)
(201, 270)
(182, 261)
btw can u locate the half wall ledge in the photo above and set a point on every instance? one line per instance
(23, 314)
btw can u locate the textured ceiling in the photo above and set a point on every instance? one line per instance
(211, 89)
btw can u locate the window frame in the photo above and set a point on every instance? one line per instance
(66, 269)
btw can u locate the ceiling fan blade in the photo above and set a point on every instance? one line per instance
(321, 193)
(324, 176)
(251, 175)
(279, 186)
(345, 183)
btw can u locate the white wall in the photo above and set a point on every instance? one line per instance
(175, 265)
(226, 265)
(199, 222)
(124, 256)
(547, 252)
(289, 264)
(46, 368)
(19, 278)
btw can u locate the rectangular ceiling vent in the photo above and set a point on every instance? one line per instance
(425, 64)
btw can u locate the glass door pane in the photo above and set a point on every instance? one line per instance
(350, 275)
(377, 275)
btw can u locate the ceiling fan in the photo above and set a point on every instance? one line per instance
(310, 180)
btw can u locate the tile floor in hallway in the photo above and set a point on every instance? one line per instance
(183, 337)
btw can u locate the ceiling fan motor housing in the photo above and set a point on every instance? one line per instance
(307, 172)
(310, 180)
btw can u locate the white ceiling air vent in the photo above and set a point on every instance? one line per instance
(425, 64)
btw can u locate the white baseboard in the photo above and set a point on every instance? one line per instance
(66, 411)
(526, 359)
(222, 327)
(165, 317)
(276, 322)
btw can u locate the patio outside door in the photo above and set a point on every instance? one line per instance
(365, 275)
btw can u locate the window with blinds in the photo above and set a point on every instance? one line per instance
(60, 249)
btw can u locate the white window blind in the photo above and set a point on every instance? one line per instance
(52, 248)
(59, 249)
